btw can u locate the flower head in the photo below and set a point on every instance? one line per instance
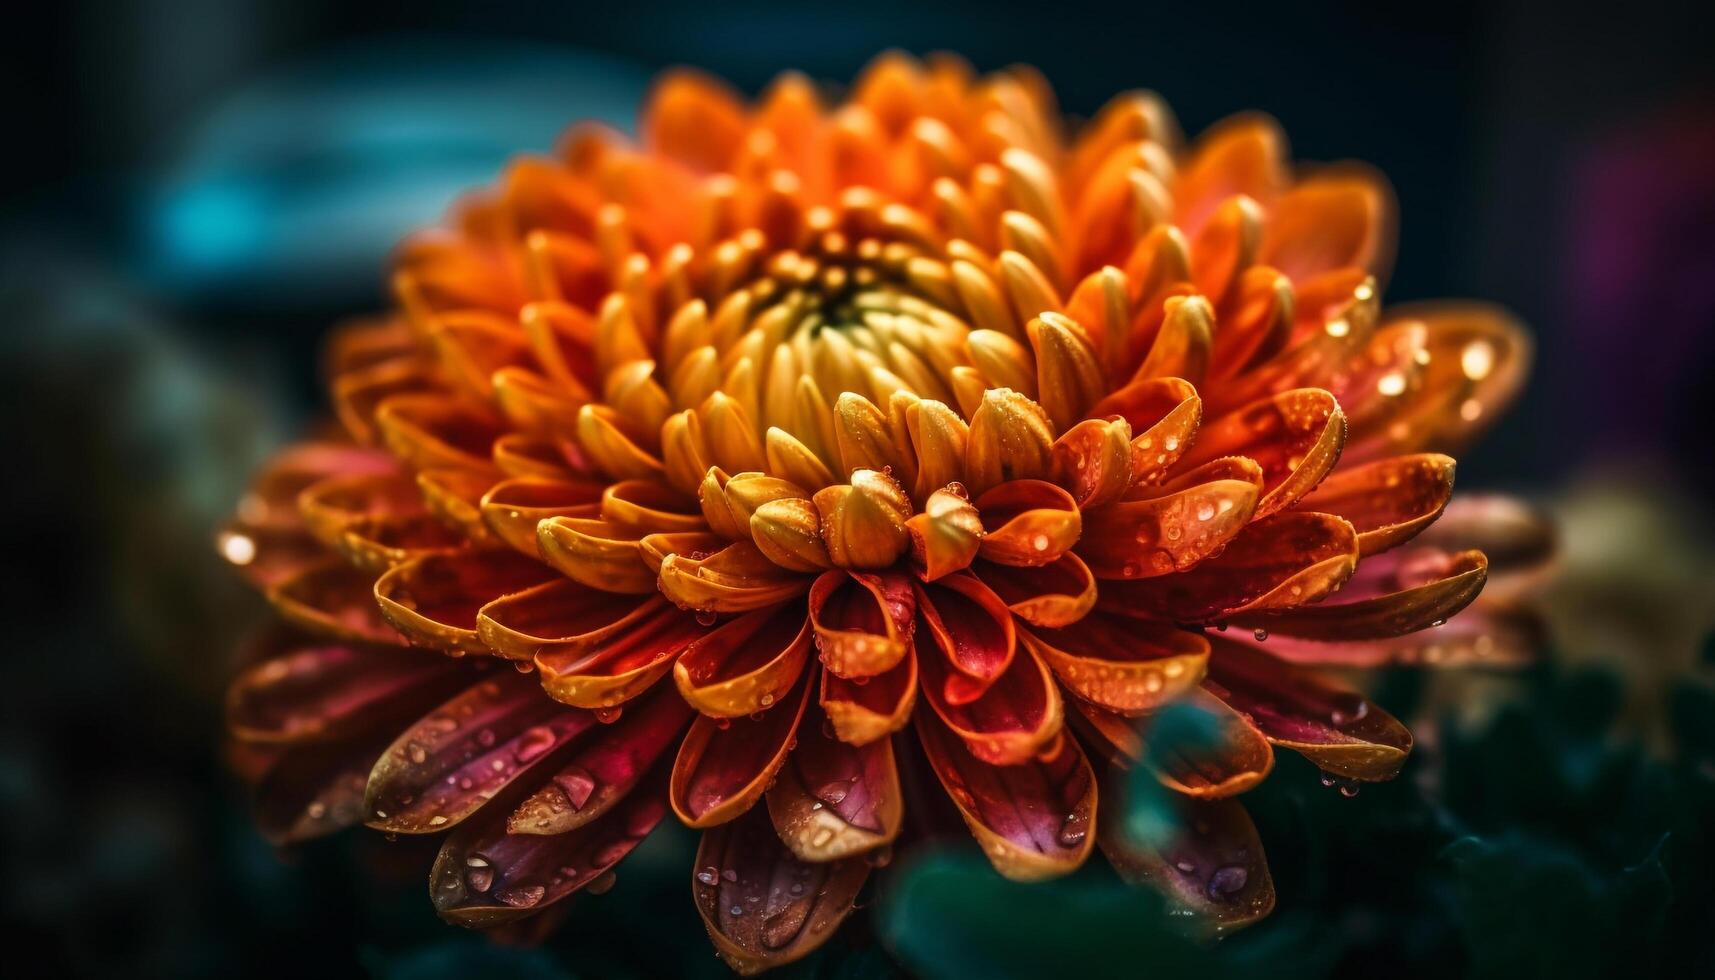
(794, 435)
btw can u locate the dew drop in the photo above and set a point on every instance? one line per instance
(1227, 882)
(522, 896)
(1260, 635)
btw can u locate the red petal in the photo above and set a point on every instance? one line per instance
(863, 621)
(1213, 863)
(321, 693)
(557, 616)
(1286, 560)
(1011, 720)
(603, 766)
(762, 906)
(447, 765)
(1159, 535)
(1391, 595)
(1033, 819)
(618, 660)
(331, 598)
(1387, 501)
(434, 600)
(833, 800)
(972, 628)
(725, 766)
(485, 876)
(1027, 522)
(1335, 728)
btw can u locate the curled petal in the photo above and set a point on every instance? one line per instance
(1418, 589)
(522, 454)
(1332, 220)
(745, 665)
(1296, 437)
(595, 553)
(313, 790)
(1518, 538)
(603, 766)
(1388, 501)
(602, 436)
(357, 393)
(1183, 347)
(1010, 439)
(378, 543)
(737, 578)
(789, 532)
(558, 615)
(1337, 729)
(656, 547)
(1161, 535)
(446, 766)
(833, 800)
(620, 659)
(1120, 664)
(1212, 864)
(1484, 634)
(763, 907)
(486, 876)
(1242, 155)
(725, 765)
(331, 598)
(1093, 460)
(940, 440)
(434, 600)
(1068, 374)
(1028, 522)
(647, 507)
(1053, 595)
(1236, 758)
(455, 496)
(1287, 560)
(972, 630)
(729, 502)
(513, 508)
(862, 621)
(430, 431)
(946, 536)
(861, 713)
(863, 522)
(1013, 718)
(317, 693)
(330, 506)
(1033, 820)
(1165, 412)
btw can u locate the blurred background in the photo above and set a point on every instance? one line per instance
(196, 189)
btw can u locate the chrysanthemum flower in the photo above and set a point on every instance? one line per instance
(797, 441)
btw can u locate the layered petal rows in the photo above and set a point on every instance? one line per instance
(797, 442)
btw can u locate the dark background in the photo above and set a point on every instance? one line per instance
(196, 189)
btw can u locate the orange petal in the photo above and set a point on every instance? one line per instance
(1033, 820)
(761, 905)
(1286, 560)
(1296, 436)
(694, 119)
(595, 553)
(1237, 759)
(619, 659)
(378, 543)
(1242, 155)
(946, 536)
(863, 621)
(737, 578)
(1164, 534)
(1053, 595)
(1120, 664)
(745, 665)
(1388, 501)
(861, 713)
(1165, 412)
(1028, 522)
(1213, 863)
(1335, 728)
(329, 506)
(434, 600)
(1093, 460)
(513, 508)
(1335, 219)
(833, 800)
(724, 766)
(557, 616)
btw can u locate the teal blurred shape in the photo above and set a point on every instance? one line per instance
(293, 189)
